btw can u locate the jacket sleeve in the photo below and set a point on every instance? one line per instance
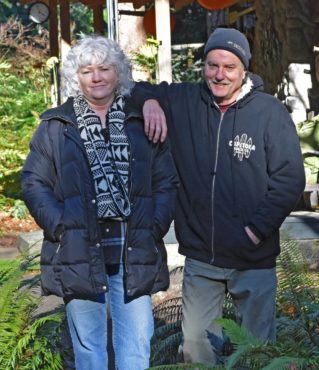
(38, 180)
(286, 176)
(164, 189)
(143, 91)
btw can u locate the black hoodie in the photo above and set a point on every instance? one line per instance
(238, 168)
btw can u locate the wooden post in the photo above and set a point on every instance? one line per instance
(54, 51)
(98, 21)
(163, 35)
(65, 28)
(65, 21)
(53, 25)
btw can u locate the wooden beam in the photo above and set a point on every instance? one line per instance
(65, 21)
(179, 4)
(98, 21)
(65, 42)
(93, 2)
(53, 27)
(136, 3)
(32, 1)
(163, 35)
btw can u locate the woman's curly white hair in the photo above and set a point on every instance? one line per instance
(98, 50)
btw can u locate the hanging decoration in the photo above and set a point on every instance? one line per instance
(149, 22)
(215, 4)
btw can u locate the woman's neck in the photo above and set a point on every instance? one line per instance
(102, 115)
(101, 110)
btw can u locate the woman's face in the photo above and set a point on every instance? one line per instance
(98, 83)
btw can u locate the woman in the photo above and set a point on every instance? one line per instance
(104, 196)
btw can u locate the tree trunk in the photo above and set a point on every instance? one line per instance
(286, 32)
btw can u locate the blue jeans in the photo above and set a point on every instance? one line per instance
(132, 328)
(204, 288)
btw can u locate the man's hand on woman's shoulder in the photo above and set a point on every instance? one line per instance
(155, 126)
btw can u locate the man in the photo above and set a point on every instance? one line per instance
(241, 171)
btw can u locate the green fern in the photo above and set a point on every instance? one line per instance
(194, 366)
(37, 348)
(241, 338)
(297, 345)
(166, 349)
(25, 343)
(6, 268)
(16, 306)
(162, 331)
(238, 335)
(285, 363)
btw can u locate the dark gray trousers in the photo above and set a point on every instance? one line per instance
(204, 289)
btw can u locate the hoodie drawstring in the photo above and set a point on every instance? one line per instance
(232, 167)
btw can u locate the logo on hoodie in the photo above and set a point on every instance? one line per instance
(242, 146)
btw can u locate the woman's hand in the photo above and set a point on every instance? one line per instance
(155, 126)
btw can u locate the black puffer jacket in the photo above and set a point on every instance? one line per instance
(58, 190)
(238, 168)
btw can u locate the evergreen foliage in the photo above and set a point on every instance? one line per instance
(14, 8)
(26, 342)
(297, 344)
(81, 16)
(193, 366)
(22, 98)
(184, 67)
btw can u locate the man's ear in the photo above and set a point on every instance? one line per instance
(203, 70)
(245, 75)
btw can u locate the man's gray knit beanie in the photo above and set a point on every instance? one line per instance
(232, 40)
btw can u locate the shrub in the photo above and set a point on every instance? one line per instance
(22, 98)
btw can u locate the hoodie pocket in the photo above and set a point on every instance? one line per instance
(199, 216)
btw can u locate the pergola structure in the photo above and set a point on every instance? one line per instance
(59, 23)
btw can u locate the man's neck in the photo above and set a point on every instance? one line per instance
(224, 107)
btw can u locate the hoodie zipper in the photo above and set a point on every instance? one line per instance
(213, 183)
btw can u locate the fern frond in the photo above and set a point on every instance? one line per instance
(166, 350)
(194, 366)
(241, 353)
(25, 344)
(16, 305)
(7, 267)
(238, 335)
(295, 285)
(28, 337)
(166, 329)
(285, 363)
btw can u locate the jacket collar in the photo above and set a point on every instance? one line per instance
(206, 94)
(65, 112)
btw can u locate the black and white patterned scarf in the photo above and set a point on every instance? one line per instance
(108, 159)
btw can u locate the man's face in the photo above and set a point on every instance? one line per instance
(224, 74)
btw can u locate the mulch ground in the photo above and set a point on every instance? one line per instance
(11, 227)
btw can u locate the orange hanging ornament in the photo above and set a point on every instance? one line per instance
(150, 24)
(215, 4)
